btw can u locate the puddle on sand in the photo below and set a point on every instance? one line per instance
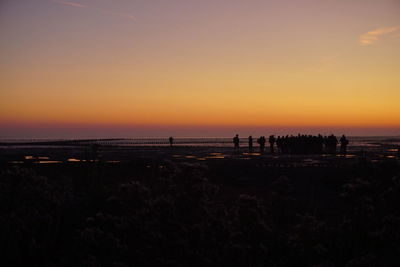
(47, 162)
(201, 158)
(16, 162)
(215, 154)
(190, 157)
(33, 157)
(390, 157)
(345, 156)
(311, 161)
(252, 154)
(74, 160)
(392, 150)
(84, 160)
(215, 157)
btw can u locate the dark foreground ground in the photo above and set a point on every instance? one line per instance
(197, 207)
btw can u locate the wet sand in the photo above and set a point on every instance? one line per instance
(47, 154)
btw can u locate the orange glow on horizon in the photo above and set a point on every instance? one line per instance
(176, 69)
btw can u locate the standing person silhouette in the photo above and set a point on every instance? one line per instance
(171, 141)
(335, 142)
(332, 142)
(279, 144)
(271, 141)
(343, 144)
(236, 141)
(250, 143)
(261, 141)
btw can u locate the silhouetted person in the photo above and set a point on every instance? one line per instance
(279, 144)
(325, 144)
(271, 141)
(171, 141)
(236, 141)
(332, 144)
(250, 143)
(343, 145)
(96, 152)
(320, 144)
(261, 141)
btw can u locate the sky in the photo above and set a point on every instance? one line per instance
(137, 68)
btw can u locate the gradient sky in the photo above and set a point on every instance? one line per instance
(190, 68)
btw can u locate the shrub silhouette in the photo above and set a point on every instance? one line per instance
(179, 218)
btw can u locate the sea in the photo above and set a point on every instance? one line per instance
(355, 141)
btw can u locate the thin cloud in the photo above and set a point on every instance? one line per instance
(125, 16)
(74, 4)
(373, 36)
(67, 3)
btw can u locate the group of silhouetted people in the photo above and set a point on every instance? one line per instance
(300, 144)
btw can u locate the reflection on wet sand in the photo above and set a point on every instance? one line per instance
(74, 160)
(215, 157)
(16, 162)
(311, 161)
(36, 157)
(47, 162)
(251, 154)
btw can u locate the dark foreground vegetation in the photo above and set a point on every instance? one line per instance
(185, 214)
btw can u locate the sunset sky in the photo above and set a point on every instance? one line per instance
(130, 68)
